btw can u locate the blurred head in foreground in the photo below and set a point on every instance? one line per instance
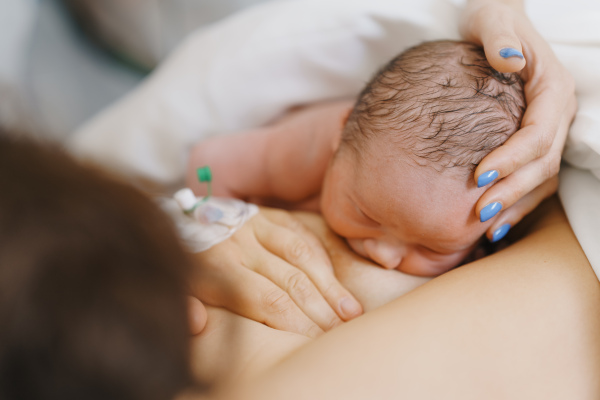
(92, 302)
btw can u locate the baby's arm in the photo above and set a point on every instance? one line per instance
(285, 160)
(237, 163)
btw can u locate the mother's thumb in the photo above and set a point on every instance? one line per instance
(503, 50)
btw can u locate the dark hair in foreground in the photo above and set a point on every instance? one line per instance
(441, 103)
(92, 301)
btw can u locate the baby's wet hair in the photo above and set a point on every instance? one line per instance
(441, 104)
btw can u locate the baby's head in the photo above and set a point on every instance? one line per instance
(400, 187)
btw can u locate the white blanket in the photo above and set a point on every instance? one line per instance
(251, 67)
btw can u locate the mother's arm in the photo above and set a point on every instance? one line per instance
(521, 324)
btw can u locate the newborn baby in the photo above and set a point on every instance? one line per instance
(393, 174)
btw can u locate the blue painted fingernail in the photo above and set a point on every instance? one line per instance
(489, 211)
(500, 232)
(508, 52)
(487, 177)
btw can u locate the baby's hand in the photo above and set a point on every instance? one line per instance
(528, 162)
(275, 271)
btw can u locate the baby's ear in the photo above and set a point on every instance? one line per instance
(345, 117)
(343, 121)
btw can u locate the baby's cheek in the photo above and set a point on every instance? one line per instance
(347, 232)
(335, 218)
(358, 246)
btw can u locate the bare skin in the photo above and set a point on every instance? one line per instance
(231, 348)
(414, 219)
(500, 24)
(529, 161)
(520, 324)
(274, 270)
(285, 161)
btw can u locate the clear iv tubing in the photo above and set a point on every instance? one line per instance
(204, 222)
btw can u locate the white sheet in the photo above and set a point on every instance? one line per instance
(248, 69)
(251, 67)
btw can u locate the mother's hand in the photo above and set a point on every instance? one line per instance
(529, 161)
(274, 271)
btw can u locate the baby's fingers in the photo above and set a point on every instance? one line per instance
(520, 209)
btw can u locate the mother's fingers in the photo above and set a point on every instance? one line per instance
(197, 315)
(287, 220)
(509, 190)
(298, 246)
(520, 209)
(299, 288)
(227, 282)
(512, 188)
(509, 39)
(264, 301)
(491, 25)
(502, 46)
(545, 124)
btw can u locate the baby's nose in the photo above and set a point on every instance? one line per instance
(387, 255)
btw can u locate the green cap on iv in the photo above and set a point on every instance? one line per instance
(204, 174)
